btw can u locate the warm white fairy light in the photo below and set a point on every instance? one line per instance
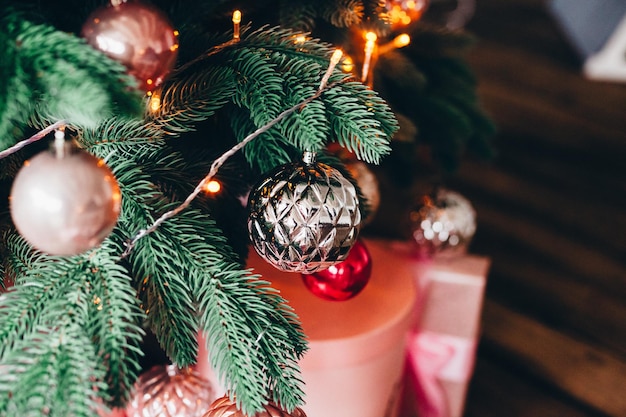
(334, 60)
(154, 104)
(370, 44)
(399, 41)
(236, 24)
(213, 187)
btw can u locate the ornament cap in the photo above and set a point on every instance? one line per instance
(308, 157)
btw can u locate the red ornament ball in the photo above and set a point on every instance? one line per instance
(344, 280)
(137, 35)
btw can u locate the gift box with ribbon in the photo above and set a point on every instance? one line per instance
(441, 349)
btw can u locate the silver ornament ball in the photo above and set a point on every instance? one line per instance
(443, 225)
(65, 204)
(304, 217)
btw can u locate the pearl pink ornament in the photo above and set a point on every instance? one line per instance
(169, 391)
(137, 35)
(65, 204)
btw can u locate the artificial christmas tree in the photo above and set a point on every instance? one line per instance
(73, 329)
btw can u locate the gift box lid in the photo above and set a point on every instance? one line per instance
(351, 331)
(453, 295)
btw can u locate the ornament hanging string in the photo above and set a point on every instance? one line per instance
(215, 166)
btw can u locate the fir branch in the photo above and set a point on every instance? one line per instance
(306, 129)
(54, 75)
(114, 317)
(188, 99)
(343, 13)
(353, 125)
(259, 87)
(159, 270)
(84, 294)
(51, 373)
(235, 336)
(272, 148)
(297, 15)
(165, 294)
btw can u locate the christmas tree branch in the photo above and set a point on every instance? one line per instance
(222, 159)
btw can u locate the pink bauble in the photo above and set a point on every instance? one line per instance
(139, 36)
(65, 205)
(344, 280)
(225, 407)
(169, 391)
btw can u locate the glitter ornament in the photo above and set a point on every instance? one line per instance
(443, 225)
(344, 280)
(65, 202)
(304, 217)
(224, 407)
(137, 35)
(169, 391)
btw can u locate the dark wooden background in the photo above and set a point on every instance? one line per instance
(551, 216)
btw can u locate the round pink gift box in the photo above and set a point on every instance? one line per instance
(357, 347)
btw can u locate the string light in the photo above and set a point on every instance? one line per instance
(348, 64)
(213, 187)
(370, 44)
(154, 104)
(334, 60)
(236, 24)
(399, 41)
(299, 39)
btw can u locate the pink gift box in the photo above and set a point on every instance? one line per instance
(355, 363)
(441, 350)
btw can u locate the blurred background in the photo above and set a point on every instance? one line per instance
(551, 217)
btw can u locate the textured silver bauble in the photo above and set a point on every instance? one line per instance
(304, 217)
(65, 204)
(443, 224)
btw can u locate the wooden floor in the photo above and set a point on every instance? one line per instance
(551, 215)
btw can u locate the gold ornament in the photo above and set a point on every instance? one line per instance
(225, 407)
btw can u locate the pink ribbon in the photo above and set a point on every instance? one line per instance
(431, 358)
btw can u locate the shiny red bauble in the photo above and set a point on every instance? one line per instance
(137, 35)
(343, 280)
